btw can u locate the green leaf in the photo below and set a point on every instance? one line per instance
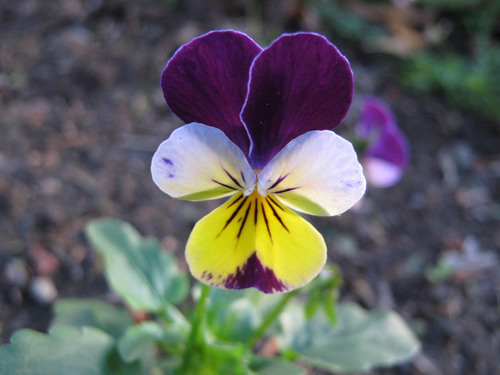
(330, 306)
(440, 272)
(138, 341)
(231, 316)
(173, 315)
(226, 358)
(77, 312)
(360, 341)
(323, 291)
(276, 366)
(138, 270)
(313, 301)
(216, 359)
(294, 323)
(65, 350)
(234, 315)
(116, 366)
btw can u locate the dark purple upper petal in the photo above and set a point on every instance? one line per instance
(379, 127)
(206, 81)
(299, 83)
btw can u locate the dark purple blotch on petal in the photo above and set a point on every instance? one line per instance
(206, 81)
(254, 274)
(168, 161)
(299, 83)
(169, 171)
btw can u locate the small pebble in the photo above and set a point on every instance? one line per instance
(42, 290)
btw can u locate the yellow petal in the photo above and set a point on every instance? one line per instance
(255, 241)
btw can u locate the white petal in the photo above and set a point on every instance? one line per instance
(317, 173)
(200, 162)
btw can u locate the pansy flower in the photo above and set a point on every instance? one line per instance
(258, 132)
(387, 152)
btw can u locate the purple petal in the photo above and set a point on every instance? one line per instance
(379, 127)
(206, 81)
(392, 147)
(299, 83)
(376, 116)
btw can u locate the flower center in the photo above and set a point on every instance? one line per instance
(255, 187)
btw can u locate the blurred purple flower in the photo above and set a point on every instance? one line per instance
(387, 153)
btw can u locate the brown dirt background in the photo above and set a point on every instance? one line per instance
(81, 114)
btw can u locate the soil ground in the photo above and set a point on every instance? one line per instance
(81, 114)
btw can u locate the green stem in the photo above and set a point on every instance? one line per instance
(199, 316)
(196, 342)
(270, 318)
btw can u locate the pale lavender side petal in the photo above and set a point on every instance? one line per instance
(299, 83)
(380, 173)
(206, 81)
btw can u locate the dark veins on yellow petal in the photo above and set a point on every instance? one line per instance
(254, 211)
(243, 205)
(270, 201)
(245, 211)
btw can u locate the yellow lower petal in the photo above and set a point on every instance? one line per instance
(255, 241)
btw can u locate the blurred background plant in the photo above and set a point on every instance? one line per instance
(449, 48)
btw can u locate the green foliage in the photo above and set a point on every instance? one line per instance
(276, 366)
(462, 64)
(450, 4)
(146, 277)
(343, 22)
(138, 340)
(360, 340)
(231, 316)
(324, 292)
(216, 358)
(65, 350)
(87, 312)
(439, 272)
(89, 337)
(467, 76)
(465, 83)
